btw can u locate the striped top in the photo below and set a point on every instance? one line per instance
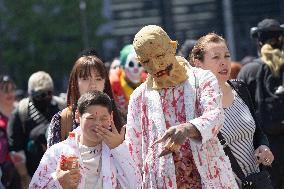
(238, 130)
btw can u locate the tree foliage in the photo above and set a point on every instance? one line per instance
(44, 35)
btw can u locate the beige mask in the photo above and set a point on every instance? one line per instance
(156, 53)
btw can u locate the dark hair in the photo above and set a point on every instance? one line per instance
(83, 68)
(88, 52)
(186, 48)
(94, 98)
(271, 38)
(198, 50)
(268, 31)
(5, 82)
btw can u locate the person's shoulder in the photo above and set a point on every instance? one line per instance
(197, 70)
(60, 146)
(200, 73)
(138, 91)
(249, 70)
(23, 104)
(20, 111)
(256, 63)
(56, 117)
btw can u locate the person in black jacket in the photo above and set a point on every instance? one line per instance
(265, 77)
(28, 123)
(268, 31)
(241, 130)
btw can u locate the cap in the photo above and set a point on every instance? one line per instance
(266, 25)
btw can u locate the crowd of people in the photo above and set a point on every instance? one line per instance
(156, 119)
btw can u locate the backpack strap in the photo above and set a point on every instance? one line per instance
(234, 163)
(66, 122)
(23, 111)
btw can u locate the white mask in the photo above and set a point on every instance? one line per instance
(133, 68)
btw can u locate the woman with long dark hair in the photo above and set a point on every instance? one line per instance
(88, 74)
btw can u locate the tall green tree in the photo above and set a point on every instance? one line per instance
(45, 35)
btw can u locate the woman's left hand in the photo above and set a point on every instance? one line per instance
(264, 155)
(111, 138)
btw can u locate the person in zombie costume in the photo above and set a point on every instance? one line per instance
(126, 79)
(173, 119)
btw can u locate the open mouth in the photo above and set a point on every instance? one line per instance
(223, 72)
(165, 71)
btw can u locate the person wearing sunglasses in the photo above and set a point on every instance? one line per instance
(28, 123)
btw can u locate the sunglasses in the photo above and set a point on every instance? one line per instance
(41, 94)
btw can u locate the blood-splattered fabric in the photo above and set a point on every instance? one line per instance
(118, 169)
(148, 118)
(172, 101)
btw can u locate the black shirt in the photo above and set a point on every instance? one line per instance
(19, 135)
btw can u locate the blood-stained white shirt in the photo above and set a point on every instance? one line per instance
(118, 170)
(146, 123)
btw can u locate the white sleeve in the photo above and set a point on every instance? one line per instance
(133, 136)
(209, 106)
(128, 174)
(45, 175)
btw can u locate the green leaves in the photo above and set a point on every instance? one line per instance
(44, 35)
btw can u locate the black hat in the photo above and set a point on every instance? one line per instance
(266, 25)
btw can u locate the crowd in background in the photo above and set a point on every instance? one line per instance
(253, 106)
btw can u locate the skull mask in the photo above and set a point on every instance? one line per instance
(156, 52)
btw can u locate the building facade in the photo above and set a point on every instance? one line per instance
(190, 19)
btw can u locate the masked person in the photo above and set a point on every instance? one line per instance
(28, 123)
(265, 79)
(173, 119)
(126, 79)
(268, 31)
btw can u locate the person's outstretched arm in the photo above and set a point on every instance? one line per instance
(210, 114)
